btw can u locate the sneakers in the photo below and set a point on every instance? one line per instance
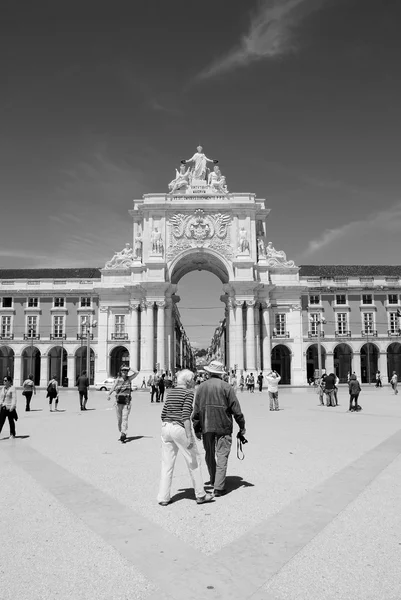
(204, 499)
(164, 503)
(123, 438)
(218, 493)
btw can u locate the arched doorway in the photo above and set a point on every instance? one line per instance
(118, 356)
(312, 360)
(30, 358)
(55, 356)
(6, 361)
(342, 362)
(80, 363)
(369, 362)
(281, 362)
(394, 359)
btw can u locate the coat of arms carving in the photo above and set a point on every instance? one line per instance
(199, 230)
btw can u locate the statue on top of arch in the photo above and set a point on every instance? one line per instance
(122, 259)
(198, 176)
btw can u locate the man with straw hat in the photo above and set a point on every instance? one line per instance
(215, 406)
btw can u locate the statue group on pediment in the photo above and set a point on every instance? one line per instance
(198, 175)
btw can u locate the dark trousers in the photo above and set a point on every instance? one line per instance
(83, 398)
(28, 397)
(161, 394)
(6, 414)
(217, 450)
(353, 397)
(379, 383)
(155, 390)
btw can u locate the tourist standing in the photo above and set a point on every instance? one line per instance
(329, 385)
(177, 435)
(154, 386)
(320, 390)
(354, 391)
(83, 386)
(8, 405)
(378, 379)
(337, 381)
(251, 383)
(273, 379)
(122, 390)
(28, 389)
(241, 383)
(394, 382)
(215, 406)
(143, 383)
(260, 381)
(52, 393)
(233, 381)
(162, 387)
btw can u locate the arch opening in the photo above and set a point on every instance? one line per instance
(369, 362)
(199, 260)
(342, 355)
(281, 362)
(57, 364)
(31, 363)
(312, 360)
(393, 359)
(6, 361)
(80, 363)
(118, 356)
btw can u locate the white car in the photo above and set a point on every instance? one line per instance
(105, 385)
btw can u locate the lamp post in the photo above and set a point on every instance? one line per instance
(89, 326)
(320, 321)
(31, 361)
(61, 361)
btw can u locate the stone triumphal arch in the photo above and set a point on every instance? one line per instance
(198, 225)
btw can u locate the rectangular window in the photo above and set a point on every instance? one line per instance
(342, 323)
(314, 318)
(85, 301)
(33, 302)
(119, 324)
(314, 299)
(6, 327)
(393, 298)
(32, 326)
(367, 299)
(58, 327)
(59, 302)
(368, 322)
(393, 322)
(341, 299)
(7, 302)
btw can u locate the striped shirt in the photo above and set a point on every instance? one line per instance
(178, 406)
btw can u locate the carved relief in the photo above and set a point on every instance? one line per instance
(199, 230)
(121, 260)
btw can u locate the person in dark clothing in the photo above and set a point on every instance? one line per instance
(215, 406)
(329, 388)
(161, 387)
(154, 386)
(354, 391)
(378, 379)
(83, 386)
(260, 381)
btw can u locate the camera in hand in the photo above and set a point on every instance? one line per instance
(241, 438)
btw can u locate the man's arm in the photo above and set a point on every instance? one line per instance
(236, 411)
(196, 418)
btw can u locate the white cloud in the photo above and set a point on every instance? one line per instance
(374, 239)
(270, 35)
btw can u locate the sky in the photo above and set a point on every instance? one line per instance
(298, 99)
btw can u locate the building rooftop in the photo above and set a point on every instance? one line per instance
(329, 271)
(78, 273)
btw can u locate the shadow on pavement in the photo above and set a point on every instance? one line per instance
(35, 410)
(233, 482)
(22, 437)
(132, 438)
(184, 493)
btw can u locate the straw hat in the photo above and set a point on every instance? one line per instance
(215, 367)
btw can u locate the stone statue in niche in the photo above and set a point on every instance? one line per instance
(181, 181)
(217, 181)
(200, 161)
(121, 259)
(138, 246)
(156, 241)
(261, 246)
(243, 242)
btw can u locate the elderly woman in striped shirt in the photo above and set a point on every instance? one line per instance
(177, 435)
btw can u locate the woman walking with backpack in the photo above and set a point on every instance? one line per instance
(28, 390)
(52, 393)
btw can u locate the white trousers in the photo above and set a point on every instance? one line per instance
(173, 439)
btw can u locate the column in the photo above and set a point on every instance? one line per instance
(169, 334)
(258, 361)
(239, 335)
(134, 344)
(181, 348)
(356, 364)
(329, 362)
(17, 369)
(231, 333)
(71, 370)
(102, 363)
(250, 335)
(142, 335)
(382, 366)
(149, 337)
(44, 376)
(161, 355)
(266, 341)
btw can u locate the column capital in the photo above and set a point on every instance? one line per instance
(134, 304)
(149, 303)
(250, 303)
(239, 303)
(161, 304)
(231, 303)
(142, 304)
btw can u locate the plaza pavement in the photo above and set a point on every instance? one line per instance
(313, 512)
